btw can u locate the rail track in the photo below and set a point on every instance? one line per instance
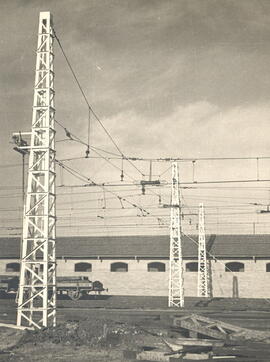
(119, 308)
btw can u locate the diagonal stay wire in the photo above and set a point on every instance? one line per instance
(73, 137)
(208, 252)
(163, 173)
(82, 177)
(90, 108)
(125, 173)
(112, 164)
(213, 256)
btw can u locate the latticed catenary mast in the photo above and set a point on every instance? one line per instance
(37, 288)
(203, 287)
(176, 282)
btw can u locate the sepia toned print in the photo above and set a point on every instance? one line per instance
(135, 186)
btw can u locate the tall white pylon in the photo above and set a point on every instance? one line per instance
(203, 287)
(37, 288)
(176, 282)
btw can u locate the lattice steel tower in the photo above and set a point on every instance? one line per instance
(37, 288)
(203, 287)
(176, 281)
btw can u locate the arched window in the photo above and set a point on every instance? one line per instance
(119, 267)
(156, 267)
(235, 266)
(13, 267)
(268, 267)
(192, 267)
(83, 267)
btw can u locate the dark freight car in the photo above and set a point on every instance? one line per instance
(74, 287)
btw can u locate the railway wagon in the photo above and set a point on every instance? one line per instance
(8, 284)
(74, 287)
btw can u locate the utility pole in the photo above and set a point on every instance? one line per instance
(203, 287)
(37, 288)
(176, 281)
(20, 144)
(19, 147)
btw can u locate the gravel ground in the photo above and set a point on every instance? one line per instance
(98, 330)
(47, 352)
(95, 340)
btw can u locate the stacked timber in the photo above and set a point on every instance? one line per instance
(225, 341)
(208, 340)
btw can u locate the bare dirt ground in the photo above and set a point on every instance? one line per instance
(47, 351)
(95, 340)
(99, 330)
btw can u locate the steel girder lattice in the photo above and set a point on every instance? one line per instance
(176, 281)
(203, 287)
(37, 288)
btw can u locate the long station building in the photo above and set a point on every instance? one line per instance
(239, 265)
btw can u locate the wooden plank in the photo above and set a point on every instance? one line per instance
(153, 356)
(248, 343)
(217, 329)
(6, 325)
(224, 325)
(195, 342)
(210, 323)
(202, 330)
(241, 351)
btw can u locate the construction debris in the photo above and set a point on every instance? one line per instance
(225, 341)
(219, 330)
(91, 332)
(215, 340)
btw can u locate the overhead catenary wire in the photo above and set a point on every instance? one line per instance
(80, 176)
(194, 159)
(75, 138)
(90, 108)
(214, 257)
(157, 225)
(77, 174)
(149, 206)
(123, 172)
(190, 183)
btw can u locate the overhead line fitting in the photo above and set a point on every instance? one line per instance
(90, 108)
(82, 177)
(149, 183)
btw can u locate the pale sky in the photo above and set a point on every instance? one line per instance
(167, 78)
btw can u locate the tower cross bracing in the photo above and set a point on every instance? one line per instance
(37, 287)
(203, 287)
(176, 282)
